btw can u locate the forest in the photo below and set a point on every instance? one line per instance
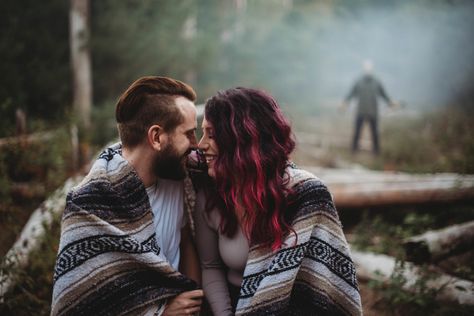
(306, 53)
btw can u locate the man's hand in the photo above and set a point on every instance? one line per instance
(186, 303)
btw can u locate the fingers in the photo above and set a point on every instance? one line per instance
(185, 303)
(196, 294)
(190, 311)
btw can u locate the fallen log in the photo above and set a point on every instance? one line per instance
(434, 246)
(355, 188)
(381, 267)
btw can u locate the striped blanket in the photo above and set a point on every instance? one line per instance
(315, 275)
(109, 262)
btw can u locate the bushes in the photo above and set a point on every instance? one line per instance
(31, 295)
(28, 172)
(440, 141)
(384, 232)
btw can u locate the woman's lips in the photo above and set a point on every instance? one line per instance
(209, 158)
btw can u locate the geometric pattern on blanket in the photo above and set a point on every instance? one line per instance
(78, 252)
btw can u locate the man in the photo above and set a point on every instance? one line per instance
(125, 232)
(366, 90)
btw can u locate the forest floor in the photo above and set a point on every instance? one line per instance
(326, 142)
(321, 141)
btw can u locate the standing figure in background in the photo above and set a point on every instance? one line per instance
(366, 90)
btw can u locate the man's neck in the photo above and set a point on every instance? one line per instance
(141, 160)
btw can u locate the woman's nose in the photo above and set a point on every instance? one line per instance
(202, 143)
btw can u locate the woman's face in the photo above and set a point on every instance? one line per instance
(208, 145)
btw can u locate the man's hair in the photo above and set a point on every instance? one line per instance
(254, 140)
(149, 100)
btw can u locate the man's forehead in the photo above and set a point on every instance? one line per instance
(188, 110)
(184, 104)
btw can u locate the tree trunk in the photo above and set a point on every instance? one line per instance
(80, 60)
(434, 246)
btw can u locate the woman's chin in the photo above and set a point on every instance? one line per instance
(211, 173)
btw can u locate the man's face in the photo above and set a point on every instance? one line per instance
(170, 162)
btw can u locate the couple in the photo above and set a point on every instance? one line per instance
(268, 237)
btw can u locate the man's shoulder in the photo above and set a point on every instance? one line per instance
(92, 190)
(104, 190)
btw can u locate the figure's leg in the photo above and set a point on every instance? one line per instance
(355, 140)
(375, 134)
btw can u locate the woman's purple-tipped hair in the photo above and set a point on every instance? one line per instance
(254, 141)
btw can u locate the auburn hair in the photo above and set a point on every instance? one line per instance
(149, 100)
(254, 140)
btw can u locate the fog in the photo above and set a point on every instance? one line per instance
(313, 52)
(424, 57)
(306, 53)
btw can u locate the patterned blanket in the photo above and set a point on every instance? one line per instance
(312, 275)
(109, 262)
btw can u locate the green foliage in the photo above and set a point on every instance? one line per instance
(137, 38)
(34, 58)
(45, 165)
(45, 161)
(32, 292)
(30, 172)
(401, 292)
(378, 234)
(384, 233)
(224, 48)
(405, 297)
(440, 141)
(398, 294)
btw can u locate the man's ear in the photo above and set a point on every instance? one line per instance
(156, 137)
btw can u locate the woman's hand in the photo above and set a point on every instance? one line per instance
(186, 303)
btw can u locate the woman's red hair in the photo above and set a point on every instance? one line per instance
(254, 141)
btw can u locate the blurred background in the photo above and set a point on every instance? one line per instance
(63, 65)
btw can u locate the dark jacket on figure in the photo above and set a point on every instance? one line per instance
(366, 90)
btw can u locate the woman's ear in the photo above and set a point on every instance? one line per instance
(156, 136)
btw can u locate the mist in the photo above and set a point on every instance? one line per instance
(311, 53)
(424, 57)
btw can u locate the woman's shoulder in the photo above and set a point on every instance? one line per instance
(308, 194)
(305, 186)
(210, 217)
(297, 176)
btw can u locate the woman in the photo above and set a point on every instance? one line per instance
(268, 235)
